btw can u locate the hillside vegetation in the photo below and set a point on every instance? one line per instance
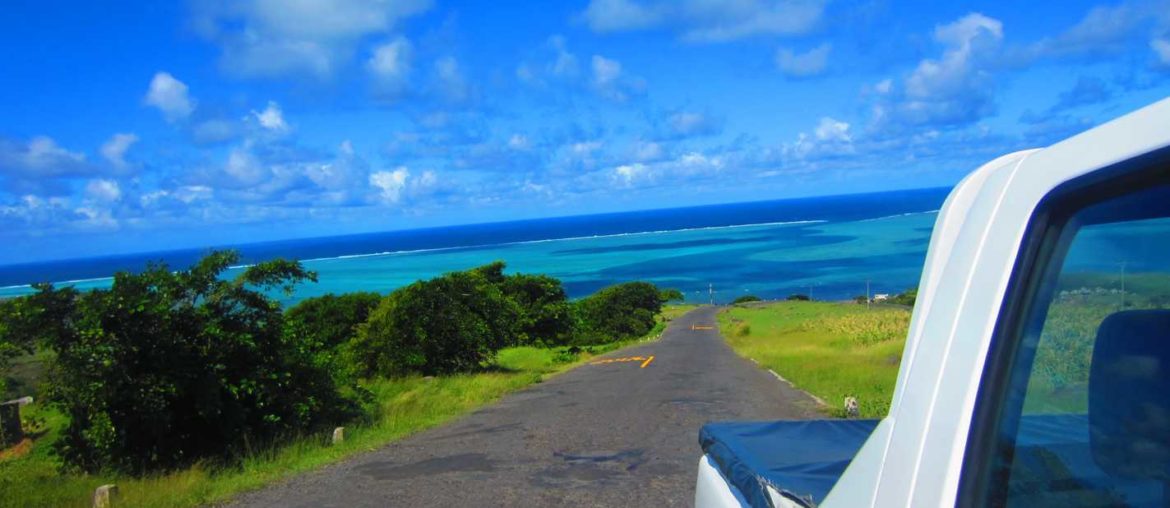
(831, 350)
(184, 387)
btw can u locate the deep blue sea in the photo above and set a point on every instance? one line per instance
(827, 245)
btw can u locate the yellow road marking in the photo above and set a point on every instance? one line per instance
(647, 362)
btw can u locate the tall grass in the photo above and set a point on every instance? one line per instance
(830, 350)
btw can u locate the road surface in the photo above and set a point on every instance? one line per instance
(608, 433)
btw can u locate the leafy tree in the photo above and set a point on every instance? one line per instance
(746, 299)
(672, 295)
(166, 368)
(619, 312)
(545, 315)
(798, 298)
(907, 297)
(325, 322)
(451, 323)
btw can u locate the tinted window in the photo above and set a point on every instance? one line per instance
(1084, 417)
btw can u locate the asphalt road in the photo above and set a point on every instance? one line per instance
(604, 434)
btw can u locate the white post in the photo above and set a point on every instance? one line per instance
(104, 496)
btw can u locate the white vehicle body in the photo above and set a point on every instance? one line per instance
(915, 455)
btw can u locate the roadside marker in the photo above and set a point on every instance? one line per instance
(647, 362)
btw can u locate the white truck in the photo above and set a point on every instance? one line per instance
(1037, 367)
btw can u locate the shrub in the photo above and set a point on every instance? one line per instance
(618, 312)
(325, 322)
(906, 298)
(672, 295)
(798, 298)
(743, 329)
(545, 315)
(745, 299)
(165, 368)
(451, 323)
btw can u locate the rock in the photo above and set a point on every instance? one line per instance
(103, 497)
(338, 435)
(851, 409)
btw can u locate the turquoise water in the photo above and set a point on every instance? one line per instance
(832, 259)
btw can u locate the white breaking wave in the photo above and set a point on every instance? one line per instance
(566, 239)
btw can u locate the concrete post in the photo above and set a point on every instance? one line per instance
(10, 430)
(338, 435)
(103, 497)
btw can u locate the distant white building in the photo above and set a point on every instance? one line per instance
(881, 297)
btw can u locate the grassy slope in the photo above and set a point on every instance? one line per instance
(408, 406)
(831, 350)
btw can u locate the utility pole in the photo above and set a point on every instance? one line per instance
(867, 294)
(711, 292)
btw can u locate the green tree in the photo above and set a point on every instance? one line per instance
(619, 312)
(798, 298)
(907, 297)
(545, 315)
(327, 321)
(671, 295)
(169, 367)
(746, 299)
(452, 323)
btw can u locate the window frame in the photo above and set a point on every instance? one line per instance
(1040, 256)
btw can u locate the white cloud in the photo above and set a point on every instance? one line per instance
(170, 96)
(647, 151)
(103, 191)
(390, 62)
(39, 157)
(1161, 49)
(114, 150)
(605, 71)
(216, 130)
(884, 86)
(390, 184)
(830, 129)
(706, 20)
(690, 123)
(609, 82)
(565, 63)
(830, 137)
(956, 88)
(629, 173)
(272, 118)
(803, 65)
(270, 38)
(244, 166)
(450, 77)
(518, 142)
(689, 165)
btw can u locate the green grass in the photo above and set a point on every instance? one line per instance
(405, 406)
(831, 350)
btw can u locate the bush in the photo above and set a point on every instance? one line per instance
(325, 322)
(672, 295)
(907, 298)
(745, 299)
(618, 312)
(452, 323)
(546, 317)
(167, 368)
(798, 298)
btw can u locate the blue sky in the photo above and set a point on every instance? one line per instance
(127, 127)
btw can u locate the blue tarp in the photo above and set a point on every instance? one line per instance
(1053, 464)
(801, 459)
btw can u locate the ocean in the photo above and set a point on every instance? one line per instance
(828, 247)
